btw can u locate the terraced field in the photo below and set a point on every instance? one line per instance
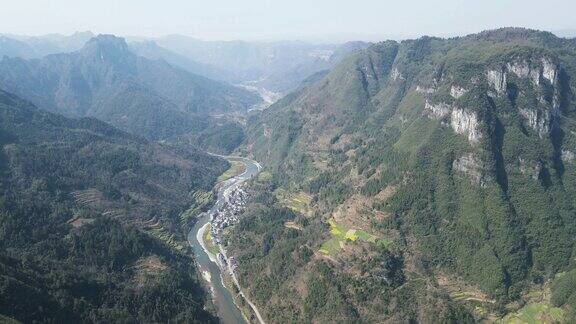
(201, 200)
(535, 313)
(341, 236)
(298, 201)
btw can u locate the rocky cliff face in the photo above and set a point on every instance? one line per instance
(543, 74)
(462, 150)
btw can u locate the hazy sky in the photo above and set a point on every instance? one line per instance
(282, 19)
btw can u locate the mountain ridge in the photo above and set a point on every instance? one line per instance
(92, 221)
(457, 152)
(107, 81)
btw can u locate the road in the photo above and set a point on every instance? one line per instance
(227, 310)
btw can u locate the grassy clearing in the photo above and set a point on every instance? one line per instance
(535, 313)
(366, 237)
(341, 236)
(331, 247)
(208, 242)
(298, 202)
(264, 176)
(236, 168)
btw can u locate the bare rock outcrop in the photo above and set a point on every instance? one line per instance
(466, 122)
(457, 92)
(470, 166)
(537, 119)
(460, 120)
(438, 110)
(396, 75)
(568, 156)
(497, 79)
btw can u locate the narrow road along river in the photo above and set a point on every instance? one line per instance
(227, 310)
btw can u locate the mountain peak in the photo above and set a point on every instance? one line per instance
(108, 48)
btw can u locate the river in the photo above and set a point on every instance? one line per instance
(222, 297)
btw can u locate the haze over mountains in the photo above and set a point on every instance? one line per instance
(39, 46)
(429, 180)
(277, 66)
(106, 80)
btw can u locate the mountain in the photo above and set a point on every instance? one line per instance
(151, 50)
(276, 66)
(56, 43)
(107, 81)
(92, 221)
(38, 46)
(15, 48)
(426, 180)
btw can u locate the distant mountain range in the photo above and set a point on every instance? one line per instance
(39, 46)
(106, 80)
(276, 66)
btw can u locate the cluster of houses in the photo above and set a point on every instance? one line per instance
(227, 215)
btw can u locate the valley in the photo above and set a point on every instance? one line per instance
(173, 179)
(224, 213)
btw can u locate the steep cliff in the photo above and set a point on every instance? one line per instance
(459, 153)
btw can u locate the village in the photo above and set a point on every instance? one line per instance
(227, 215)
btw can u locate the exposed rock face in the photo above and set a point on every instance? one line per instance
(498, 80)
(546, 69)
(537, 119)
(396, 75)
(522, 69)
(549, 71)
(462, 121)
(470, 166)
(425, 90)
(439, 110)
(568, 156)
(457, 92)
(530, 169)
(466, 122)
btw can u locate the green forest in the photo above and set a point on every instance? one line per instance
(76, 196)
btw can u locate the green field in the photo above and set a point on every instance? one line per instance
(236, 168)
(212, 248)
(297, 201)
(331, 247)
(342, 235)
(535, 313)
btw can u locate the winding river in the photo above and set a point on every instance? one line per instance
(227, 310)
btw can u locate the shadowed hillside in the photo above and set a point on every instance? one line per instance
(92, 221)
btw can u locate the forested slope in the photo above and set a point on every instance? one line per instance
(455, 156)
(90, 218)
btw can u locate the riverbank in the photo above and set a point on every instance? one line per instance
(200, 239)
(223, 294)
